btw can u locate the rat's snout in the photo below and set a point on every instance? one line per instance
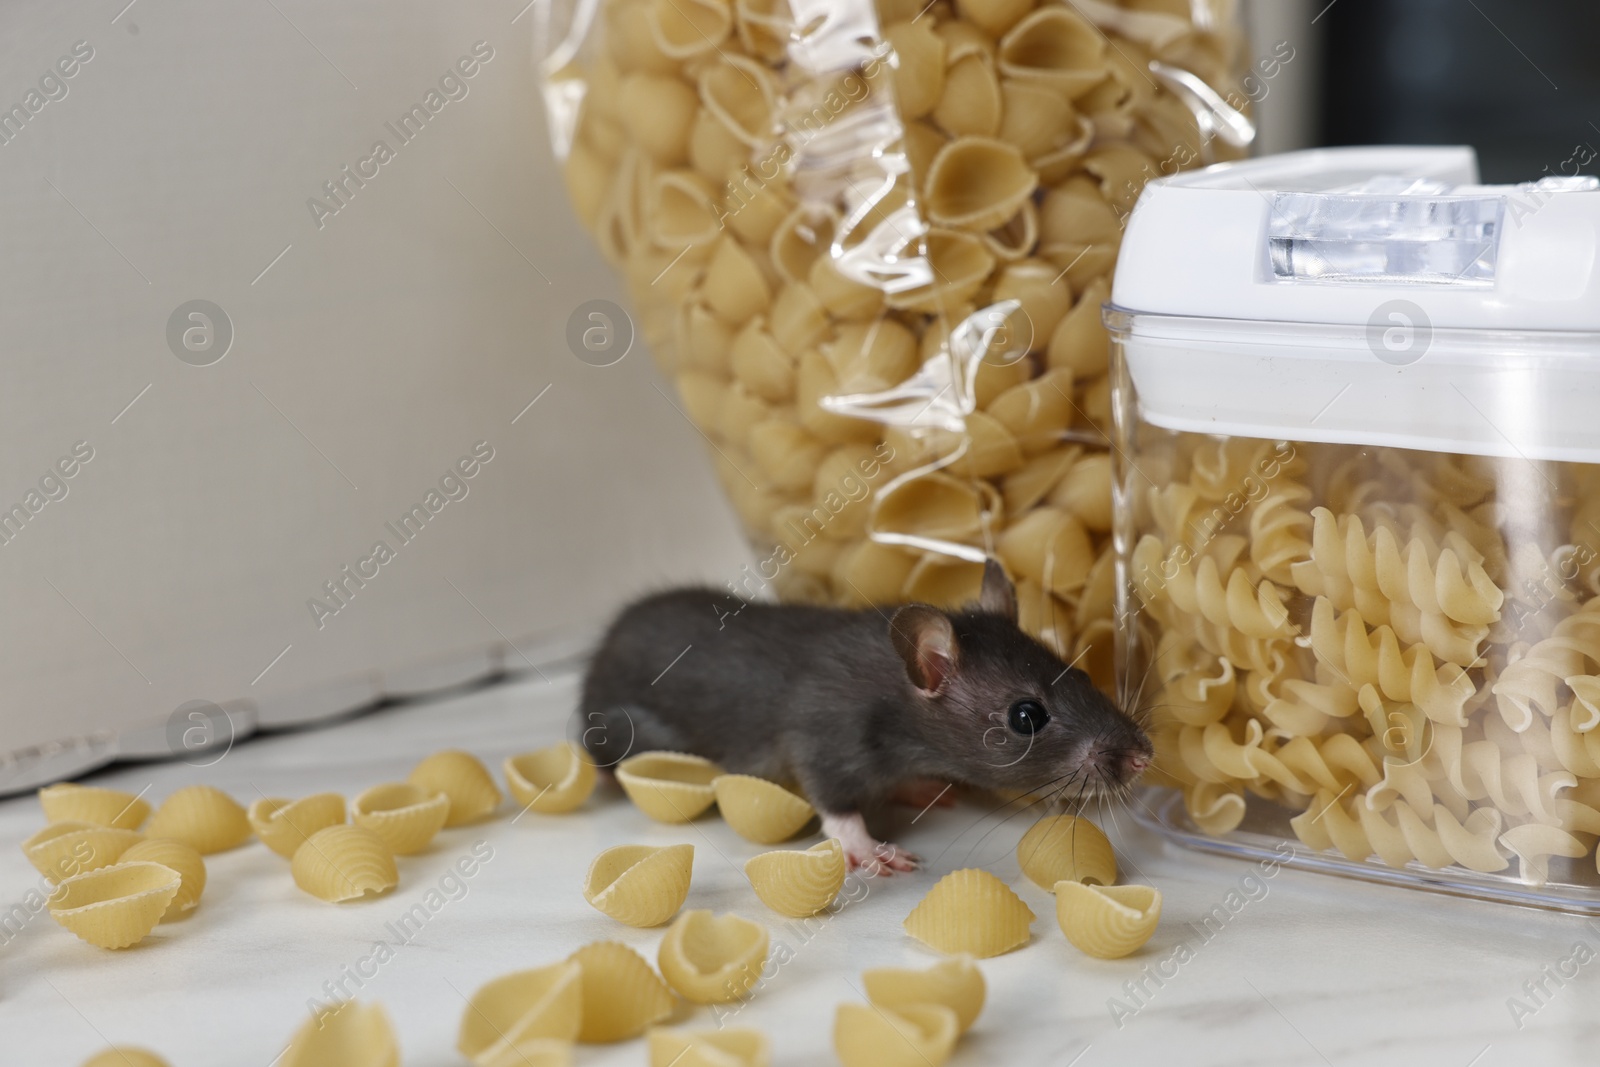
(1118, 761)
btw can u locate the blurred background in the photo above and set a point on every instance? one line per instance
(360, 338)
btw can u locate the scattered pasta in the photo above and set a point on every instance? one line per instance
(355, 1034)
(916, 1035)
(640, 885)
(343, 863)
(283, 825)
(727, 1047)
(955, 983)
(552, 780)
(464, 779)
(115, 906)
(622, 996)
(177, 856)
(670, 787)
(518, 1014)
(201, 816)
(798, 883)
(709, 959)
(970, 912)
(1107, 921)
(1066, 848)
(759, 810)
(69, 802)
(403, 815)
(63, 849)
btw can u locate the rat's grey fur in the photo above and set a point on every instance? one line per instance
(822, 698)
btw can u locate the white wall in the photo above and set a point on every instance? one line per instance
(418, 320)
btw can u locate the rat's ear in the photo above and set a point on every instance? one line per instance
(927, 642)
(998, 594)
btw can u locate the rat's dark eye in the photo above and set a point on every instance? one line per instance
(1028, 717)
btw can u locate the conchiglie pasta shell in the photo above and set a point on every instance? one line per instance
(759, 810)
(684, 28)
(734, 286)
(712, 960)
(1066, 848)
(944, 581)
(343, 863)
(540, 1004)
(728, 1047)
(177, 856)
(115, 906)
(405, 816)
(715, 152)
(622, 996)
(915, 1035)
(283, 825)
(464, 779)
(739, 93)
(918, 73)
(798, 883)
(659, 112)
(935, 506)
(803, 235)
(670, 787)
(63, 849)
(552, 780)
(201, 816)
(798, 319)
(873, 573)
(992, 449)
(960, 265)
(994, 16)
(69, 802)
(977, 183)
(971, 102)
(1050, 548)
(125, 1057)
(956, 983)
(765, 27)
(1107, 921)
(1015, 238)
(682, 209)
(640, 885)
(844, 297)
(353, 1035)
(1057, 46)
(970, 911)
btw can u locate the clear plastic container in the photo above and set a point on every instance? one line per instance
(868, 242)
(1358, 517)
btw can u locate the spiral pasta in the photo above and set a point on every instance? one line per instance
(1344, 634)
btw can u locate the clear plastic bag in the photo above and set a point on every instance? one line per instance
(870, 245)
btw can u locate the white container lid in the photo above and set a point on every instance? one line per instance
(1367, 296)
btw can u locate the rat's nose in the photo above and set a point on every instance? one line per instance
(1121, 765)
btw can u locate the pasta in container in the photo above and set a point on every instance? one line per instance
(869, 243)
(1358, 480)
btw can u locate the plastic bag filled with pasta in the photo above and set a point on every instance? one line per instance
(869, 243)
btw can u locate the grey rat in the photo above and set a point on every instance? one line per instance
(854, 706)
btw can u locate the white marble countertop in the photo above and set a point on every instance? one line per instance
(1307, 970)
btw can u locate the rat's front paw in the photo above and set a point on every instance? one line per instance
(862, 851)
(887, 859)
